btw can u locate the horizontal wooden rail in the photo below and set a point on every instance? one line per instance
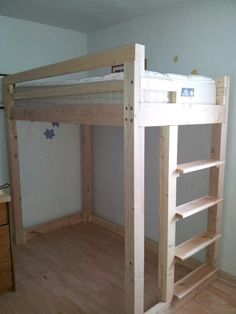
(196, 206)
(193, 280)
(82, 114)
(198, 165)
(32, 92)
(89, 62)
(194, 245)
(152, 114)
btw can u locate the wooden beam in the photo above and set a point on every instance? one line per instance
(86, 158)
(216, 182)
(198, 165)
(193, 207)
(15, 206)
(134, 138)
(31, 92)
(89, 62)
(40, 229)
(190, 282)
(83, 114)
(190, 247)
(152, 114)
(169, 145)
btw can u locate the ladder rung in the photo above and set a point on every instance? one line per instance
(198, 165)
(193, 280)
(196, 206)
(194, 245)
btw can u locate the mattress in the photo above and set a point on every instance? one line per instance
(191, 89)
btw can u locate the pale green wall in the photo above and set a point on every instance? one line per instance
(202, 34)
(50, 168)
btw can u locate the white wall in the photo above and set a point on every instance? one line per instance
(50, 168)
(202, 35)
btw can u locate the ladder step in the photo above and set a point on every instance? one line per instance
(194, 245)
(198, 165)
(193, 280)
(195, 206)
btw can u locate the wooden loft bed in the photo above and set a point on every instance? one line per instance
(134, 116)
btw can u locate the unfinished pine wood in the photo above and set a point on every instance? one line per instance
(198, 165)
(196, 206)
(84, 114)
(169, 145)
(193, 280)
(152, 114)
(134, 151)
(216, 181)
(93, 61)
(194, 245)
(78, 269)
(3, 214)
(68, 90)
(15, 205)
(86, 142)
(40, 229)
(53, 275)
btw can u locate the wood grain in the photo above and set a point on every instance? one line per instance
(3, 214)
(78, 269)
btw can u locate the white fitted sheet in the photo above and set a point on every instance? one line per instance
(190, 89)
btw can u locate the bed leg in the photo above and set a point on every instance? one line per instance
(86, 148)
(15, 205)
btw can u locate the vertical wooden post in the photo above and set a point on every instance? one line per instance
(86, 149)
(169, 148)
(15, 205)
(216, 182)
(134, 186)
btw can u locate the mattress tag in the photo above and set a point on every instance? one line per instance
(187, 92)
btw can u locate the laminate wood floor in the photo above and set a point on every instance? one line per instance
(79, 270)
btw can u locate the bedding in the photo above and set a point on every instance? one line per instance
(191, 89)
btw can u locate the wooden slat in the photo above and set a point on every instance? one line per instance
(68, 90)
(193, 280)
(216, 179)
(169, 144)
(3, 214)
(86, 158)
(196, 206)
(198, 165)
(152, 114)
(40, 229)
(90, 62)
(194, 245)
(83, 114)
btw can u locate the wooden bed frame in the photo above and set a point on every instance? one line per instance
(134, 117)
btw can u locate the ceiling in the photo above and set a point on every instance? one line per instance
(81, 15)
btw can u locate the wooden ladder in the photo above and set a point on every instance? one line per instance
(170, 213)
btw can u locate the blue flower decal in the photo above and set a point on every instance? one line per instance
(49, 133)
